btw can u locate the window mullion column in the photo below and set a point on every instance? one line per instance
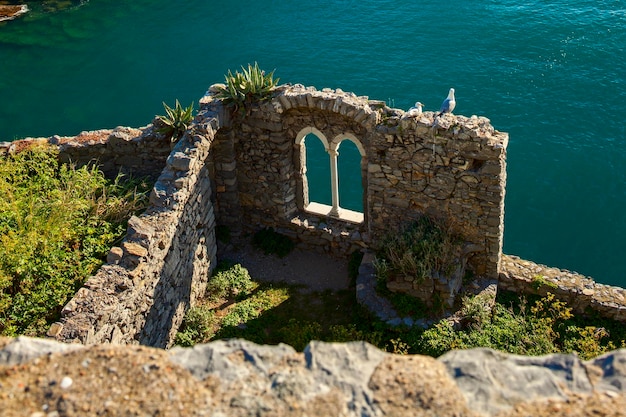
(334, 182)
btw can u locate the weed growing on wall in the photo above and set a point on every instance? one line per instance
(249, 85)
(176, 121)
(56, 225)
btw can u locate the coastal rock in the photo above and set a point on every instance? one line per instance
(239, 378)
(11, 12)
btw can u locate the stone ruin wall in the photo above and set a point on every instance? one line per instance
(250, 171)
(140, 296)
(257, 171)
(454, 172)
(140, 152)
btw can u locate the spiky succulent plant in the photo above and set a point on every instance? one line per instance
(177, 120)
(244, 87)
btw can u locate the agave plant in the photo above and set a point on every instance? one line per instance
(244, 87)
(177, 120)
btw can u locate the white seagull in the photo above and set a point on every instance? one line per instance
(448, 104)
(415, 110)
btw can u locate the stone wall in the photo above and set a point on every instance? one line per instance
(139, 152)
(163, 265)
(581, 293)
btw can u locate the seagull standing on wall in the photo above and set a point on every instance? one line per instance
(416, 110)
(448, 104)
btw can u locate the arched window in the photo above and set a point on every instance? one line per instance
(317, 170)
(350, 176)
(319, 181)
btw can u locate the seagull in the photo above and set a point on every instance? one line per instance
(415, 110)
(448, 104)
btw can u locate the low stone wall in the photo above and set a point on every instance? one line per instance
(581, 293)
(138, 152)
(161, 268)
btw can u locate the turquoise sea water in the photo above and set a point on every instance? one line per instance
(551, 73)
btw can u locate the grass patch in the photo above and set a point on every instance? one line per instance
(57, 224)
(270, 313)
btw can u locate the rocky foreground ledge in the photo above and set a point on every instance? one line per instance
(238, 378)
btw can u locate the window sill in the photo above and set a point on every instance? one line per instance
(344, 214)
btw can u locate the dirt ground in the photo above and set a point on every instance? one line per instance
(316, 271)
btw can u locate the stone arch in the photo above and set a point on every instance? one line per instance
(334, 144)
(302, 134)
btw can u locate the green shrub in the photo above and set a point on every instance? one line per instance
(244, 87)
(56, 225)
(588, 341)
(272, 242)
(176, 121)
(545, 327)
(417, 251)
(298, 333)
(197, 327)
(233, 281)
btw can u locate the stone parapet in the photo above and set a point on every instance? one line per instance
(582, 293)
(138, 152)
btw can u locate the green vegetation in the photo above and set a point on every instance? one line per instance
(524, 328)
(242, 88)
(176, 122)
(56, 225)
(417, 251)
(272, 313)
(272, 242)
(230, 282)
(269, 314)
(541, 281)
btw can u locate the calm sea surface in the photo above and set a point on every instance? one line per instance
(551, 73)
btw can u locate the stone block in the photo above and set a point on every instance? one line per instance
(115, 255)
